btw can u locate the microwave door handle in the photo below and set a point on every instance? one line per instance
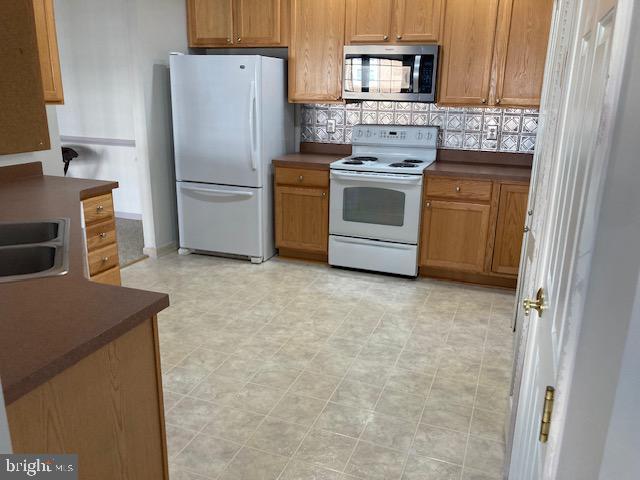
(416, 74)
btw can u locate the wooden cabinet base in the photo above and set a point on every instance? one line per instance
(485, 279)
(302, 255)
(107, 408)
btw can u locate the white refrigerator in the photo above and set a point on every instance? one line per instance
(230, 119)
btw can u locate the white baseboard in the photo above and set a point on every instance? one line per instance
(129, 216)
(157, 252)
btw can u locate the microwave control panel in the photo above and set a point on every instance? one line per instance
(401, 136)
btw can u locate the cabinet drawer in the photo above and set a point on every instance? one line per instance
(459, 188)
(98, 208)
(108, 277)
(100, 235)
(103, 259)
(302, 177)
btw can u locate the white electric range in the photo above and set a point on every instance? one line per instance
(374, 216)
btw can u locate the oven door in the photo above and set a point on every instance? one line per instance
(390, 72)
(377, 206)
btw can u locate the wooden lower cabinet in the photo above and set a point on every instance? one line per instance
(107, 408)
(101, 241)
(472, 230)
(302, 214)
(454, 235)
(512, 212)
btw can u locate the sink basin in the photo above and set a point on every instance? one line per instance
(28, 232)
(26, 260)
(33, 249)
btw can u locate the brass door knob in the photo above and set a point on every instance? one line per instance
(457, 189)
(428, 204)
(484, 100)
(300, 178)
(105, 259)
(99, 208)
(399, 37)
(228, 40)
(385, 38)
(324, 194)
(102, 235)
(497, 101)
(238, 39)
(537, 304)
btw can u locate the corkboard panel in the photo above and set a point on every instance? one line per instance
(23, 118)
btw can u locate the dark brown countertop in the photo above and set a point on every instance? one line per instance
(319, 161)
(476, 170)
(49, 324)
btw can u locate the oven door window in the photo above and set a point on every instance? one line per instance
(380, 206)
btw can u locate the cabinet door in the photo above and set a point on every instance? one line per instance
(210, 23)
(454, 235)
(368, 21)
(302, 218)
(259, 22)
(512, 212)
(48, 51)
(418, 20)
(467, 51)
(521, 50)
(315, 51)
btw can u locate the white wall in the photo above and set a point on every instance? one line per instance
(51, 159)
(97, 117)
(157, 28)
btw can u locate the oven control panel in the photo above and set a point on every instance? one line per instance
(401, 136)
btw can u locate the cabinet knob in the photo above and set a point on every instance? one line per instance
(497, 101)
(428, 205)
(530, 212)
(228, 40)
(300, 178)
(102, 234)
(385, 38)
(484, 100)
(324, 194)
(99, 208)
(238, 39)
(399, 37)
(105, 259)
(457, 189)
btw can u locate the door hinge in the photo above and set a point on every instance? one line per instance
(547, 411)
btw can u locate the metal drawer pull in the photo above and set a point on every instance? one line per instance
(102, 234)
(399, 37)
(385, 38)
(428, 204)
(99, 208)
(457, 189)
(324, 194)
(300, 178)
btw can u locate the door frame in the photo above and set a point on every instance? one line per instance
(575, 446)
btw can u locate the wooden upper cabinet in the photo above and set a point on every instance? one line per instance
(315, 50)
(521, 49)
(417, 20)
(48, 51)
(454, 235)
(512, 212)
(368, 21)
(260, 22)
(210, 23)
(238, 23)
(467, 51)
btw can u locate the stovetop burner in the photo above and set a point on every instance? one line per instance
(402, 165)
(413, 161)
(353, 162)
(365, 159)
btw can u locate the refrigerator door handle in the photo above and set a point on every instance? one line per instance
(219, 193)
(252, 124)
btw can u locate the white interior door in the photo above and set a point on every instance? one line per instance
(577, 101)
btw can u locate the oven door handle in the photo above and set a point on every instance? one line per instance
(377, 243)
(379, 178)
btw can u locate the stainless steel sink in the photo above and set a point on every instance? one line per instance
(33, 249)
(28, 232)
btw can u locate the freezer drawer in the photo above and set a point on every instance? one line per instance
(220, 218)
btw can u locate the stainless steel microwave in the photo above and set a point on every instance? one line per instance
(390, 72)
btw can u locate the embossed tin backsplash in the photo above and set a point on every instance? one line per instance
(460, 128)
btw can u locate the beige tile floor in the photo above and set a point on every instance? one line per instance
(297, 371)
